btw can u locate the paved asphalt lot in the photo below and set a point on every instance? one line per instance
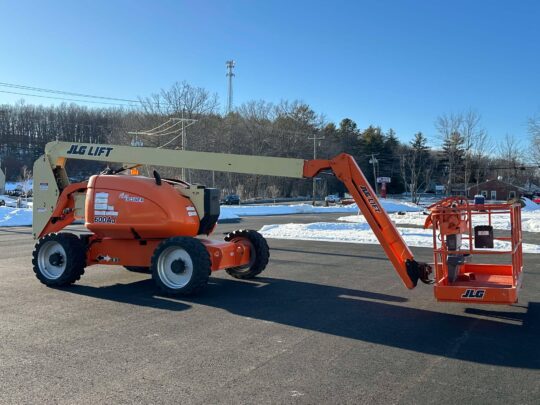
(327, 323)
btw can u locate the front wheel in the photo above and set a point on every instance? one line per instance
(181, 265)
(59, 259)
(259, 253)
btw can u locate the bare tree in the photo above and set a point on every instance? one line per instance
(474, 139)
(534, 131)
(448, 127)
(181, 98)
(464, 141)
(482, 149)
(510, 152)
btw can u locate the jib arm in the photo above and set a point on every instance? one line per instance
(346, 169)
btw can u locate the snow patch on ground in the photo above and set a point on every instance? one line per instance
(15, 216)
(267, 210)
(530, 219)
(361, 233)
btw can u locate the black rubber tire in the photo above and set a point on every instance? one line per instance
(75, 259)
(138, 269)
(260, 254)
(200, 260)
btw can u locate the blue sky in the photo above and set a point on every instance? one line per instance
(396, 64)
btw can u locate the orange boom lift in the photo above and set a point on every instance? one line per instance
(161, 225)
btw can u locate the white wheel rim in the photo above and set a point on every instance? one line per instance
(165, 270)
(49, 270)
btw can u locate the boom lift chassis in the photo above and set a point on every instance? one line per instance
(57, 203)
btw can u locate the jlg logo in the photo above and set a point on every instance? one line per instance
(473, 293)
(91, 151)
(370, 199)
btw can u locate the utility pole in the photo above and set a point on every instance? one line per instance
(315, 138)
(230, 66)
(168, 128)
(374, 162)
(184, 122)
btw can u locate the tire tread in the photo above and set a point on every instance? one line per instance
(262, 254)
(75, 255)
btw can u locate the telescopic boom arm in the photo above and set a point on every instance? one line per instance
(51, 183)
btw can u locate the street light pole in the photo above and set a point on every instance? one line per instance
(315, 138)
(374, 161)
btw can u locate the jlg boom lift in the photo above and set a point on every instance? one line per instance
(158, 224)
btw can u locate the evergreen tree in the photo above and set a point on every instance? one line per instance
(453, 157)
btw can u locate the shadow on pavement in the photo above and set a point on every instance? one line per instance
(325, 253)
(140, 293)
(505, 339)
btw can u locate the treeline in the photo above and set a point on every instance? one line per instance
(287, 129)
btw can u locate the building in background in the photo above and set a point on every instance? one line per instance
(496, 190)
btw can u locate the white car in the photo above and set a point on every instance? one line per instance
(332, 198)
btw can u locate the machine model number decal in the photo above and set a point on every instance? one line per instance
(370, 199)
(474, 293)
(105, 220)
(130, 198)
(89, 150)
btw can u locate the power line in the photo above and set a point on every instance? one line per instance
(68, 93)
(121, 101)
(65, 99)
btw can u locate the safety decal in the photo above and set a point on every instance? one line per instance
(103, 212)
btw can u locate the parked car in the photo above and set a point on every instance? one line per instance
(332, 198)
(232, 199)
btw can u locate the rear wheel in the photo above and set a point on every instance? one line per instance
(259, 253)
(59, 259)
(181, 265)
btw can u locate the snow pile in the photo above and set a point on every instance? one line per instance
(12, 185)
(361, 233)
(226, 215)
(530, 224)
(529, 205)
(15, 217)
(266, 210)
(530, 219)
(409, 218)
(399, 206)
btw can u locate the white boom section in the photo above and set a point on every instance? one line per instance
(262, 165)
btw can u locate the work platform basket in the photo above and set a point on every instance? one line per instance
(463, 234)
